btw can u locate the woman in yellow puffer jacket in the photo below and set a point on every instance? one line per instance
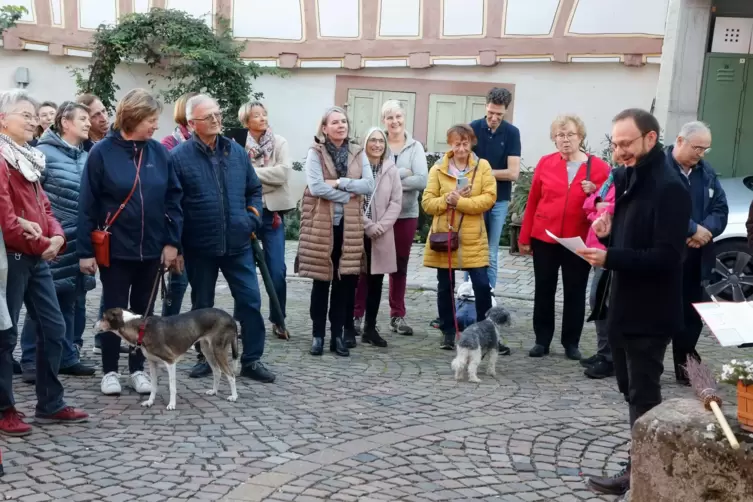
(462, 184)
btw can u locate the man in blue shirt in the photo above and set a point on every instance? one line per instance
(708, 221)
(498, 141)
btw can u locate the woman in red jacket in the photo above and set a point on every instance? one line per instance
(561, 183)
(32, 238)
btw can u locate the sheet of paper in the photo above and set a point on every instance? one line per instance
(571, 243)
(730, 322)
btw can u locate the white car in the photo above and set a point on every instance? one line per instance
(732, 279)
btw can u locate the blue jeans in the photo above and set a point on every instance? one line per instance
(174, 299)
(446, 291)
(30, 333)
(273, 242)
(495, 222)
(240, 273)
(30, 283)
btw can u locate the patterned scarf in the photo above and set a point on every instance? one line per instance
(606, 186)
(181, 134)
(367, 199)
(26, 159)
(339, 156)
(261, 152)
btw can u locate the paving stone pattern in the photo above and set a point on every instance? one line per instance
(384, 424)
(514, 277)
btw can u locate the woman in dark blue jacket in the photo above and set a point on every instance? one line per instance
(145, 233)
(65, 157)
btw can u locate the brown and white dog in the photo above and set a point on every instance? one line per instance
(167, 339)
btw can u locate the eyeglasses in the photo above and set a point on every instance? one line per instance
(570, 135)
(212, 117)
(378, 141)
(28, 117)
(700, 150)
(625, 144)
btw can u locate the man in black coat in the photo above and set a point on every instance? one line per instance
(646, 243)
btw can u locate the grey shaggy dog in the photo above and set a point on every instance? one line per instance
(478, 340)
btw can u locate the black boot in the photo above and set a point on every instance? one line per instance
(371, 336)
(17, 368)
(616, 485)
(317, 346)
(602, 369)
(338, 346)
(448, 341)
(350, 337)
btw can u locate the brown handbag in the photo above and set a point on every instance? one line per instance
(101, 237)
(445, 242)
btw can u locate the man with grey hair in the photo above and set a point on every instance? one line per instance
(222, 207)
(708, 220)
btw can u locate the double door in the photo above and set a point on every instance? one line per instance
(726, 105)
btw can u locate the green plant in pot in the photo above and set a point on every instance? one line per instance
(517, 207)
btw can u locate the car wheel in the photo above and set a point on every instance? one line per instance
(732, 277)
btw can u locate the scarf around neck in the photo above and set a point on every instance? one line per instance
(606, 186)
(181, 134)
(339, 156)
(260, 152)
(26, 159)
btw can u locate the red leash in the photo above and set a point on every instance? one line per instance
(449, 270)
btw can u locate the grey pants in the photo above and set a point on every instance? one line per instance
(602, 341)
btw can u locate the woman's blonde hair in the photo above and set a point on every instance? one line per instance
(179, 112)
(135, 107)
(391, 106)
(335, 109)
(561, 122)
(244, 112)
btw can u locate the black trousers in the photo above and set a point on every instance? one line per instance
(638, 365)
(125, 284)
(684, 342)
(547, 261)
(373, 285)
(333, 296)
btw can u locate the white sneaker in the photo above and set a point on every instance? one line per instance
(141, 382)
(111, 384)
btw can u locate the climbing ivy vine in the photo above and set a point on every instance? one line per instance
(9, 15)
(179, 50)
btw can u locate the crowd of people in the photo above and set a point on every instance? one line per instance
(81, 196)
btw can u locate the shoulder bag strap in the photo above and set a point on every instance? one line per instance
(588, 168)
(110, 221)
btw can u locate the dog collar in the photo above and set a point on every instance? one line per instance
(142, 329)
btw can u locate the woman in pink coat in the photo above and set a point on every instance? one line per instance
(380, 212)
(599, 365)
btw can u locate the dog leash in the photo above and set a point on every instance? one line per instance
(452, 276)
(160, 278)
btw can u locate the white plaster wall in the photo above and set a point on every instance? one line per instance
(50, 79)
(594, 91)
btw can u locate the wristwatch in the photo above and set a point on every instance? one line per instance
(337, 184)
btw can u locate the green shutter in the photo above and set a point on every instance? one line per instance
(744, 155)
(720, 108)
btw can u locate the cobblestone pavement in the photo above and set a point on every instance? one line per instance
(514, 277)
(384, 424)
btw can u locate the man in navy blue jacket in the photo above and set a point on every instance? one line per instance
(219, 189)
(708, 220)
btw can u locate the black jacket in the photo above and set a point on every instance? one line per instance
(646, 249)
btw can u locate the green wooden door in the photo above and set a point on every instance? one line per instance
(744, 154)
(721, 101)
(363, 111)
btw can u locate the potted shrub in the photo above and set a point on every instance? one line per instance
(517, 207)
(740, 373)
